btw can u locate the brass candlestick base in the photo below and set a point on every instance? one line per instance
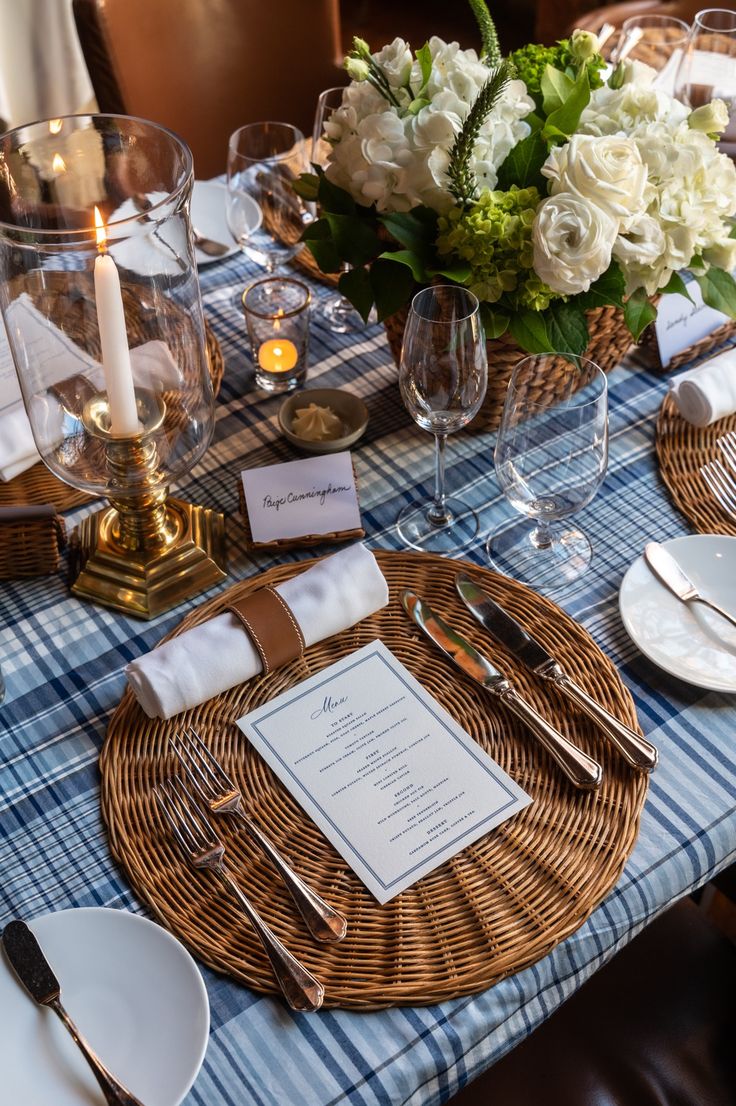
(146, 584)
(146, 553)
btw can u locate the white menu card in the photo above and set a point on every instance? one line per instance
(386, 773)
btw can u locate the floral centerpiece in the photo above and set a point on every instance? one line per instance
(544, 182)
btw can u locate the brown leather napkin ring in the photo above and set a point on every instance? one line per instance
(273, 628)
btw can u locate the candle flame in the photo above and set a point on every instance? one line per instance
(277, 351)
(276, 323)
(100, 227)
(54, 126)
(58, 164)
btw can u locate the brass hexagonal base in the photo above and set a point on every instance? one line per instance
(146, 584)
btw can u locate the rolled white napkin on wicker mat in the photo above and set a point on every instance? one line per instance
(708, 392)
(210, 658)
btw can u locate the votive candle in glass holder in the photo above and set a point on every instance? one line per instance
(277, 317)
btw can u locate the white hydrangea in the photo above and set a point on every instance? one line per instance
(388, 156)
(691, 187)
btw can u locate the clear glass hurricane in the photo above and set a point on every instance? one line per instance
(337, 310)
(551, 457)
(442, 376)
(265, 216)
(660, 43)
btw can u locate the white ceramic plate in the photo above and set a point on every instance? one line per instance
(134, 992)
(208, 216)
(686, 640)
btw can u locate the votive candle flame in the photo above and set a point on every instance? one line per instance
(278, 355)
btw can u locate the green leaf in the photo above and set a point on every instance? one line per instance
(495, 323)
(333, 199)
(676, 286)
(556, 88)
(529, 330)
(416, 105)
(306, 186)
(411, 260)
(355, 240)
(566, 327)
(566, 118)
(638, 313)
(424, 57)
(719, 290)
(392, 286)
(608, 289)
(356, 286)
(733, 231)
(523, 165)
(417, 229)
(457, 273)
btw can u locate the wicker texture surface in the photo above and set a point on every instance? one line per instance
(699, 351)
(39, 485)
(495, 908)
(31, 547)
(681, 450)
(609, 341)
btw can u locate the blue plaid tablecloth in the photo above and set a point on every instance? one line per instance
(63, 661)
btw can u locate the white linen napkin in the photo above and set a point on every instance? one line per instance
(56, 358)
(708, 392)
(208, 659)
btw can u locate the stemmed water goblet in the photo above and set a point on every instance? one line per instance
(708, 67)
(657, 40)
(442, 377)
(338, 312)
(265, 215)
(551, 456)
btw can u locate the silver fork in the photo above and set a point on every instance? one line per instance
(221, 796)
(721, 485)
(203, 849)
(727, 445)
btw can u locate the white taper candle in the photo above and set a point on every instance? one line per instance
(114, 341)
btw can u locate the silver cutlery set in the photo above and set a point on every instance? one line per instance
(580, 769)
(720, 478)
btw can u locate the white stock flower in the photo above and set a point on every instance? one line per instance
(608, 171)
(573, 240)
(396, 61)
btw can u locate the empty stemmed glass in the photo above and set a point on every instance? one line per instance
(551, 456)
(708, 67)
(338, 312)
(442, 376)
(265, 216)
(660, 41)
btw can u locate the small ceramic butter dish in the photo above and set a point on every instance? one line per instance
(350, 410)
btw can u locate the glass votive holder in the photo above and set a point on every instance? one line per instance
(277, 316)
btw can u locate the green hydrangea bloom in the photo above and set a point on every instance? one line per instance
(494, 237)
(531, 60)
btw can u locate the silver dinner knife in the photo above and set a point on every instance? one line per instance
(579, 768)
(34, 972)
(636, 750)
(666, 569)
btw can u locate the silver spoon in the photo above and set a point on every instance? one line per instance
(209, 245)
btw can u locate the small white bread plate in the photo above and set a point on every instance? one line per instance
(209, 200)
(135, 994)
(686, 639)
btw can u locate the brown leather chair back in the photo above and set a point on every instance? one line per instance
(205, 67)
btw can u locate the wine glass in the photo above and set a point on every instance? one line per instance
(442, 377)
(551, 456)
(708, 67)
(265, 216)
(659, 42)
(338, 312)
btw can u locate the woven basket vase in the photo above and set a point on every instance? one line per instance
(609, 341)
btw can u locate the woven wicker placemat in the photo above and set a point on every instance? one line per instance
(39, 485)
(493, 909)
(681, 450)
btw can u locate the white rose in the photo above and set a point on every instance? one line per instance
(573, 240)
(710, 118)
(643, 242)
(396, 61)
(608, 171)
(583, 44)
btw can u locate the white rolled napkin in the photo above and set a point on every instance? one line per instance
(708, 392)
(218, 654)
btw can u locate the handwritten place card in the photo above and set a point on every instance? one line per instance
(312, 496)
(389, 777)
(681, 323)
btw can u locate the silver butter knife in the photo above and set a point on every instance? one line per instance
(34, 972)
(666, 569)
(636, 750)
(579, 768)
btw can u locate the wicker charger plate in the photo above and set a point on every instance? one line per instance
(495, 908)
(681, 450)
(38, 484)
